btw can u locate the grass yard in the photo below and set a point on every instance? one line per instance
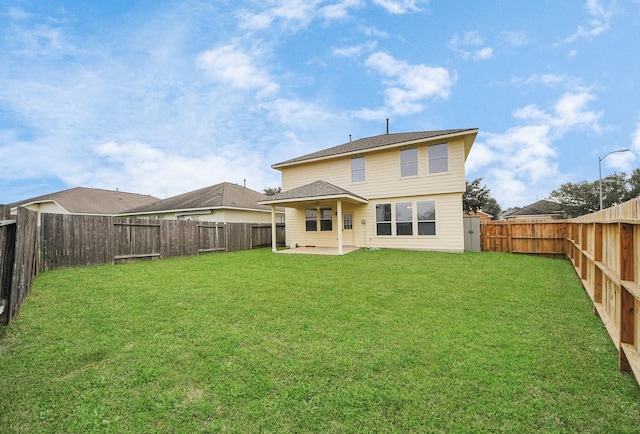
(374, 341)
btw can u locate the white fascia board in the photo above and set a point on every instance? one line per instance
(378, 148)
(312, 198)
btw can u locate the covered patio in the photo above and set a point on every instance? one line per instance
(317, 195)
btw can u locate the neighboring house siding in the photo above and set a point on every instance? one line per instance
(50, 207)
(240, 216)
(383, 174)
(220, 216)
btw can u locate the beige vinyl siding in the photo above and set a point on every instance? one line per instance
(383, 173)
(385, 185)
(296, 230)
(449, 226)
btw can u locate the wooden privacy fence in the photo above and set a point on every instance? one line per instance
(18, 255)
(75, 240)
(534, 237)
(604, 248)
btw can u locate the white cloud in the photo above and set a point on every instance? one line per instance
(571, 112)
(522, 161)
(625, 161)
(470, 45)
(600, 21)
(483, 54)
(567, 82)
(355, 50)
(371, 115)
(635, 139)
(339, 10)
(295, 14)
(408, 85)
(139, 167)
(373, 31)
(401, 6)
(17, 14)
(232, 66)
(515, 39)
(300, 114)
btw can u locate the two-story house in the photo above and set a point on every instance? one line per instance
(399, 190)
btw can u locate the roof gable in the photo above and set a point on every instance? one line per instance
(377, 142)
(82, 200)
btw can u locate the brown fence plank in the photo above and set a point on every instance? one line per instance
(25, 260)
(603, 248)
(72, 240)
(530, 237)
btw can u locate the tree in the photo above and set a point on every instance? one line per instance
(492, 207)
(584, 197)
(270, 191)
(478, 198)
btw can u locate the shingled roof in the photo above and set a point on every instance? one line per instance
(541, 207)
(315, 190)
(369, 143)
(82, 200)
(223, 195)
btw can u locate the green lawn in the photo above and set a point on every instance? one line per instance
(374, 341)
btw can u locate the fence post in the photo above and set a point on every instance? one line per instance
(597, 257)
(626, 298)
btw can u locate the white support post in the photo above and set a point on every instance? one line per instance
(340, 250)
(274, 241)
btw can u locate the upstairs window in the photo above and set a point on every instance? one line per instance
(358, 173)
(426, 217)
(438, 158)
(383, 219)
(404, 218)
(311, 217)
(326, 219)
(409, 162)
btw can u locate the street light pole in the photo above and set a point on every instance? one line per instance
(600, 170)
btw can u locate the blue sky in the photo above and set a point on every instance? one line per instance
(165, 97)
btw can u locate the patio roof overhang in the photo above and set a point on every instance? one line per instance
(316, 194)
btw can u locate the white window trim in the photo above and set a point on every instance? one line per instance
(364, 170)
(417, 162)
(439, 158)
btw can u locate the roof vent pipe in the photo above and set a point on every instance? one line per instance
(349, 138)
(387, 125)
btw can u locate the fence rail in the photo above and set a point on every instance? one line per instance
(603, 248)
(534, 237)
(75, 240)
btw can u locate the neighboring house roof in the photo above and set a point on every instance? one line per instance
(82, 200)
(541, 207)
(481, 214)
(315, 190)
(223, 195)
(376, 142)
